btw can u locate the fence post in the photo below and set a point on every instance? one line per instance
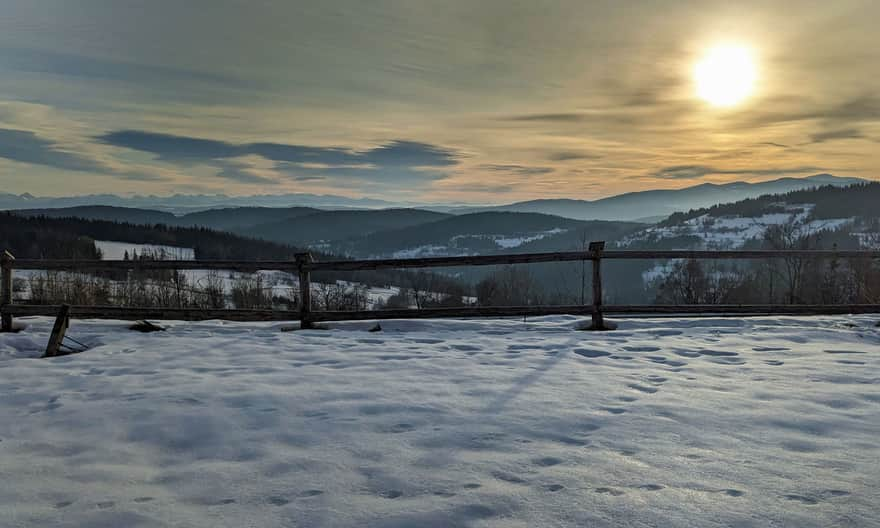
(56, 338)
(6, 260)
(305, 290)
(596, 249)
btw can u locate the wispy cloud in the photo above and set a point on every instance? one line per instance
(521, 170)
(688, 172)
(396, 161)
(26, 147)
(843, 133)
(171, 147)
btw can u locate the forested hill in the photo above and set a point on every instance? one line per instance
(846, 217)
(44, 237)
(224, 219)
(488, 232)
(860, 200)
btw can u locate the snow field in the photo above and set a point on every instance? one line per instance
(665, 422)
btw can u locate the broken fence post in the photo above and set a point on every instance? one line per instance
(56, 338)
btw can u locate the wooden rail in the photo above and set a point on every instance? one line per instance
(429, 262)
(304, 264)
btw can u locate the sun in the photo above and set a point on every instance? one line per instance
(725, 75)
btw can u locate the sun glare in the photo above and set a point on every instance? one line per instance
(725, 75)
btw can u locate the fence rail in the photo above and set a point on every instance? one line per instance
(304, 264)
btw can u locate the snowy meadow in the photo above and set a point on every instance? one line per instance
(664, 422)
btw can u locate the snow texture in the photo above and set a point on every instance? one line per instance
(665, 422)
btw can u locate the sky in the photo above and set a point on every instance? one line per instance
(457, 101)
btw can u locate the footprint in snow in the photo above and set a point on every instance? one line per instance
(609, 491)
(508, 477)
(547, 461)
(278, 501)
(647, 348)
(587, 353)
(642, 388)
(310, 493)
(390, 494)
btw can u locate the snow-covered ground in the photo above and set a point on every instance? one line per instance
(116, 250)
(668, 422)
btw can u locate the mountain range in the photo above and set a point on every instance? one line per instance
(653, 205)
(648, 205)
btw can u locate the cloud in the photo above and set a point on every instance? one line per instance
(239, 172)
(567, 155)
(774, 144)
(565, 117)
(843, 133)
(170, 147)
(393, 162)
(841, 114)
(687, 172)
(410, 154)
(59, 63)
(522, 170)
(26, 147)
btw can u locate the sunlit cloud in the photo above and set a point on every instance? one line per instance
(391, 100)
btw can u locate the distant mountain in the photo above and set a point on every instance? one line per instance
(481, 233)
(225, 219)
(243, 218)
(655, 203)
(105, 212)
(184, 203)
(326, 226)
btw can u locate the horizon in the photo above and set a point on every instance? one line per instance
(415, 103)
(382, 203)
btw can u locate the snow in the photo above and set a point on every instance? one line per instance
(424, 251)
(732, 232)
(116, 250)
(454, 248)
(474, 423)
(510, 242)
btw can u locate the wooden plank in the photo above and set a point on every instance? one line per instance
(56, 338)
(569, 256)
(431, 262)
(741, 254)
(98, 265)
(756, 309)
(431, 313)
(126, 313)
(134, 314)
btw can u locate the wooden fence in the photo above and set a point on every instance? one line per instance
(304, 264)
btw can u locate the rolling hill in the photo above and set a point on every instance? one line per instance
(661, 202)
(487, 232)
(846, 216)
(224, 219)
(325, 226)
